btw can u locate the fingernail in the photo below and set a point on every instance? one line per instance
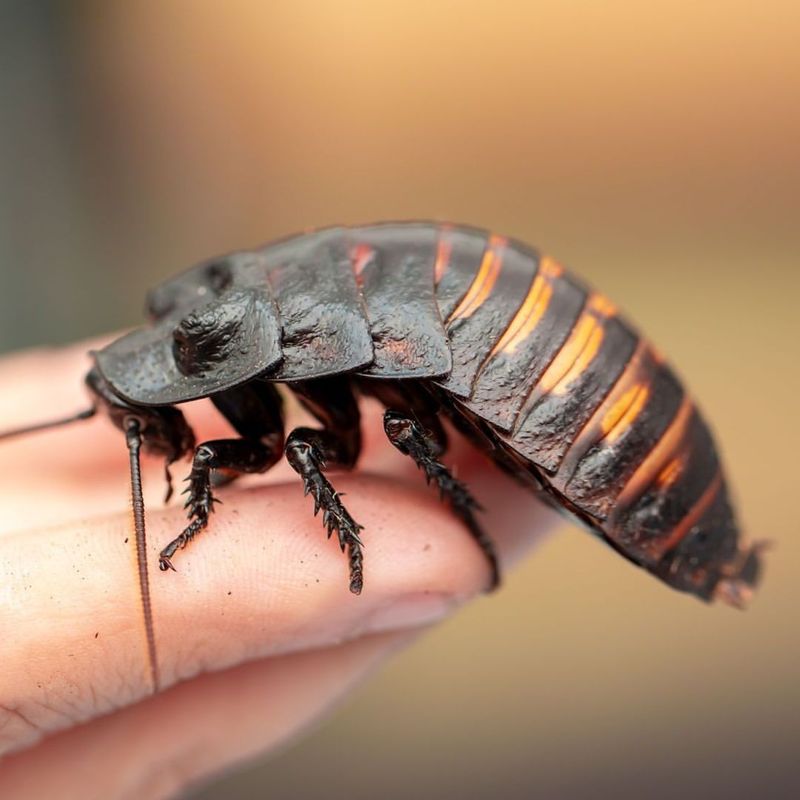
(411, 611)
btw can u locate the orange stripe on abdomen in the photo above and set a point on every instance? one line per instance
(670, 492)
(529, 317)
(698, 509)
(592, 431)
(623, 413)
(595, 354)
(658, 457)
(532, 309)
(484, 282)
(620, 438)
(444, 249)
(579, 350)
(360, 257)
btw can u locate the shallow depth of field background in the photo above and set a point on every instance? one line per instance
(653, 147)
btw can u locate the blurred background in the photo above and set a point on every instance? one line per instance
(653, 147)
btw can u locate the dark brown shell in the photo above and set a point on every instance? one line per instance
(542, 371)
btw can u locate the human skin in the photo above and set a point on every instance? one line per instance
(257, 634)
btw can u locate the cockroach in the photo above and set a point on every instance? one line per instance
(433, 320)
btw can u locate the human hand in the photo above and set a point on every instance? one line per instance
(257, 633)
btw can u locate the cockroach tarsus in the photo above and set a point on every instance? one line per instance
(432, 320)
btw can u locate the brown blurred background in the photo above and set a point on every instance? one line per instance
(653, 147)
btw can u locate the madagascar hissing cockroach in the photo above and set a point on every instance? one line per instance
(431, 319)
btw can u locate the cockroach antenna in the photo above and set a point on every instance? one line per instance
(134, 441)
(133, 437)
(87, 413)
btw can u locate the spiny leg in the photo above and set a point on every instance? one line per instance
(254, 410)
(413, 401)
(310, 451)
(411, 440)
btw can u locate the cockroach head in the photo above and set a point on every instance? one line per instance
(185, 356)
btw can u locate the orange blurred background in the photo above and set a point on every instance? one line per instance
(652, 147)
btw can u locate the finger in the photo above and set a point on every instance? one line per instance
(261, 581)
(158, 747)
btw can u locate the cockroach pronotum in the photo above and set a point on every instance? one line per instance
(431, 319)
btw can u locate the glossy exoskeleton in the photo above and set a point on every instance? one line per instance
(431, 319)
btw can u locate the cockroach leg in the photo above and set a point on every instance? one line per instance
(411, 440)
(254, 411)
(308, 451)
(239, 455)
(168, 478)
